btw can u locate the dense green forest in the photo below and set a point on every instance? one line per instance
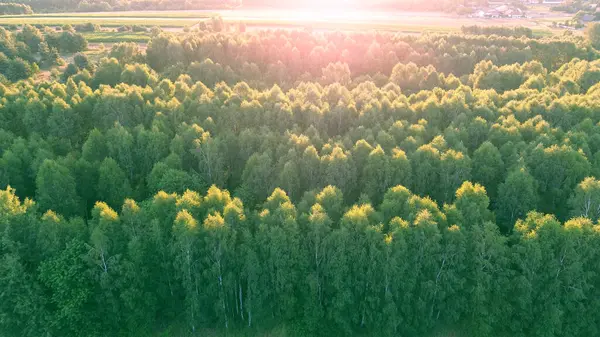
(323, 183)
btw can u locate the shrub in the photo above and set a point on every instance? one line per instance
(18, 69)
(126, 52)
(70, 42)
(70, 71)
(155, 31)
(81, 61)
(124, 29)
(88, 27)
(138, 28)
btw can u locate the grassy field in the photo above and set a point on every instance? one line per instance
(106, 22)
(113, 37)
(113, 19)
(394, 21)
(127, 14)
(405, 28)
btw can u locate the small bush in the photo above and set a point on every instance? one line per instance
(88, 27)
(18, 69)
(137, 28)
(70, 42)
(81, 61)
(124, 29)
(70, 71)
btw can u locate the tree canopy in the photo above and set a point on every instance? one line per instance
(322, 183)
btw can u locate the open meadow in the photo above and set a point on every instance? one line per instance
(411, 22)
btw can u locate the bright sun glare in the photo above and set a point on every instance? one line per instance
(328, 6)
(346, 11)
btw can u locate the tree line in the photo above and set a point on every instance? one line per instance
(221, 52)
(46, 6)
(498, 30)
(136, 5)
(14, 9)
(286, 57)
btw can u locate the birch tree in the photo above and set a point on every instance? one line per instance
(585, 201)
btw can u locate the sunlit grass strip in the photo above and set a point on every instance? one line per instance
(113, 37)
(350, 26)
(107, 22)
(183, 19)
(399, 27)
(122, 14)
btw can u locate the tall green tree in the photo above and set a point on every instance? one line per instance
(558, 169)
(56, 189)
(454, 170)
(516, 197)
(593, 35)
(488, 167)
(426, 163)
(71, 293)
(187, 265)
(257, 178)
(377, 175)
(585, 201)
(113, 185)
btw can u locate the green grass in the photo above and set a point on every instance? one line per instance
(542, 32)
(393, 27)
(113, 37)
(407, 28)
(183, 22)
(114, 19)
(103, 21)
(339, 25)
(125, 14)
(180, 19)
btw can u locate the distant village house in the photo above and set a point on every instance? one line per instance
(502, 11)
